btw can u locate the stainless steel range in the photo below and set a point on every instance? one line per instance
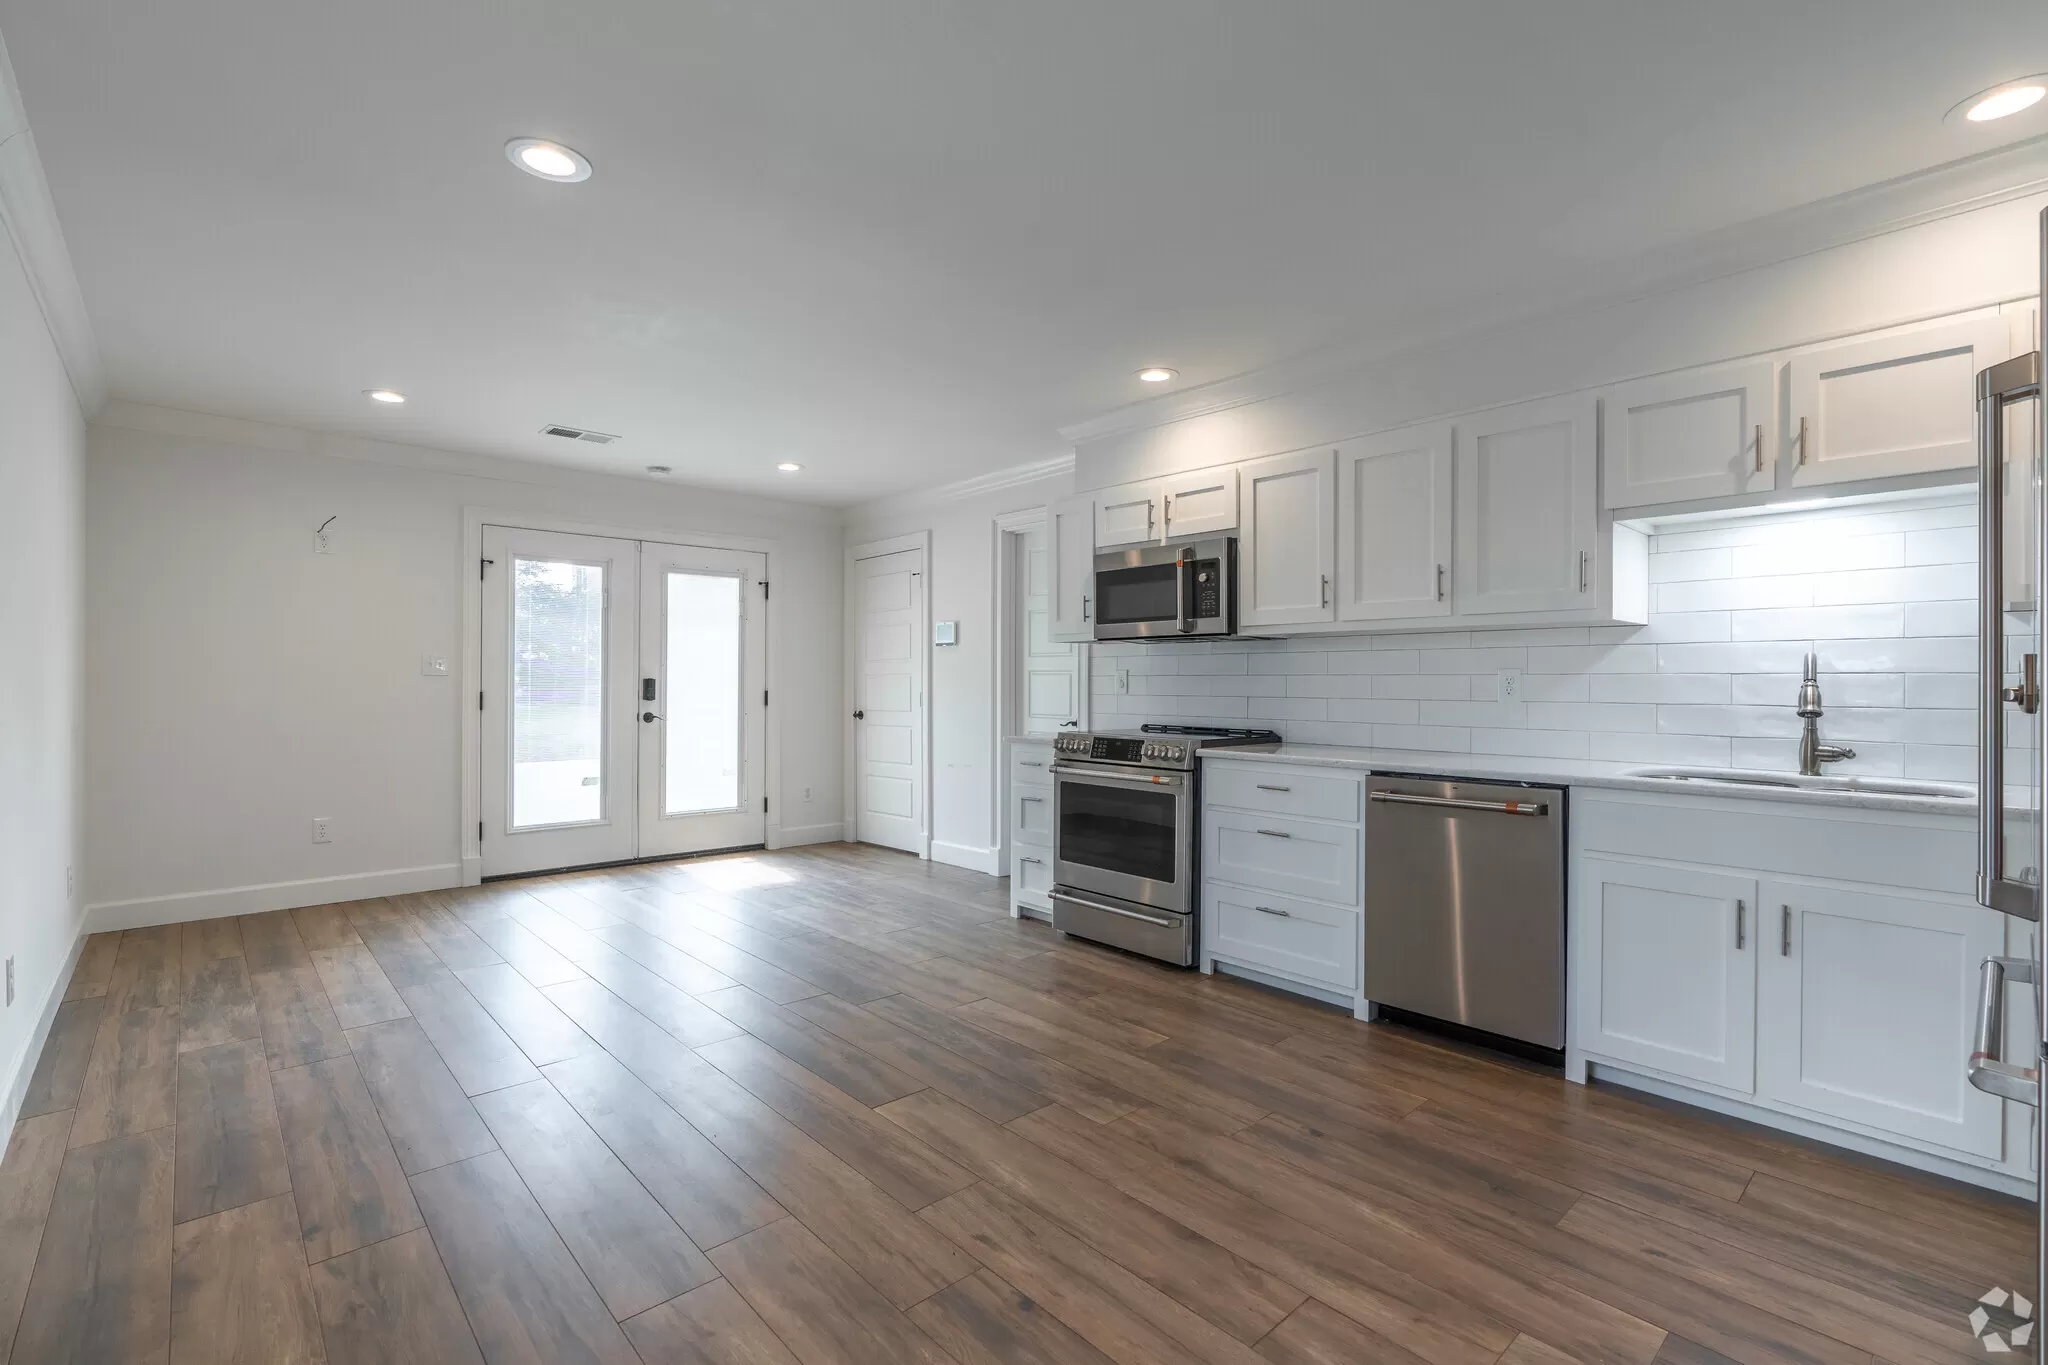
(1126, 837)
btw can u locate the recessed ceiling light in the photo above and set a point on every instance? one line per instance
(1157, 374)
(384, 395)
(2000, 101)
(789, 468)
(548, 160)
(657, 469)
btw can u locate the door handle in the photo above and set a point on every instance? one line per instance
(648, 718)
(1989, 1071)
(1326, 590)
(1740, 911)
(1759, 447)
(1398, 798)
(1582, 570)
(1084, 606)
(2008, 382)
(860, 715)
(1784, 931)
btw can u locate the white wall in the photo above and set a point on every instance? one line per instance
(42, 452)
(240, 685)
(1885, 594)
(964, 724)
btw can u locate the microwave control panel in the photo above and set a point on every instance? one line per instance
(1207, 577)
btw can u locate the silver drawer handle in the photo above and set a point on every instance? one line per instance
(1029, 764)
(1038, 799)
(1039, 861)
(1269, 910)
(1276, 834)
(1112, 910)
(1264, 788)
(1456, 803)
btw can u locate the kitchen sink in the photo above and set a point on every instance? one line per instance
(1875, 786)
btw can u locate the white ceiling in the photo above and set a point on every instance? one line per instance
(902, 242)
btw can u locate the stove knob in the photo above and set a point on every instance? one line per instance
(1176, 753)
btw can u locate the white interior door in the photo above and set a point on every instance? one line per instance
(1051, 675)
(703, 701)
(557, 700)
(889, 796)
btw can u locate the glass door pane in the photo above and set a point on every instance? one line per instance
(558, 682)
(2023, 637)
(702, 748)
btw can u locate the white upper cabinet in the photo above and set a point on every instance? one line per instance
(1287, 552)
(1900, 404)
(1700, 434)
(1394, 525)
(1528, 508)
(1070, 527)
(1203, 503)
(1866, 1010)
(1128, 515)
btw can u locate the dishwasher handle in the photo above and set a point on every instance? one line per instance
(1459, 803)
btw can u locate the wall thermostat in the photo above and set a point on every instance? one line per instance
(945, 632)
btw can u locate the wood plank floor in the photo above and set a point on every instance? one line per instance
(833, 1105)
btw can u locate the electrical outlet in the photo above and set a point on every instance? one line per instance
(1123, 680)
(323, 832)
(10, 980)
(323, 542)
(1507, 685)
(807, 793)
(433, 665)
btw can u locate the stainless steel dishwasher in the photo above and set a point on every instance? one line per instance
(1464, 905)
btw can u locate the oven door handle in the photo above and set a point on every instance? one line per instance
(1111, 775)
(1111, 909)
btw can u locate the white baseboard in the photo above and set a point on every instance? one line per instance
(973, 857)
(25, 1065)
(472, 870)
(253, 900)
(791, 836)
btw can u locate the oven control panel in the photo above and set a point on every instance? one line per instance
(1125, 749)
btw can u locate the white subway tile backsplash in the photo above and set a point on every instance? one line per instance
(1885, 596)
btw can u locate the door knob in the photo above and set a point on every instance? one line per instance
(648, 717)
(860, 715)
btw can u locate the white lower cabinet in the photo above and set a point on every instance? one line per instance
(1030, 826)
(1283, 874)
(1665, 969)
(1866, 1008)
(1725, 949)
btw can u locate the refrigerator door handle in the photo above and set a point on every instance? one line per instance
(1989, 1071)
(2003, 384)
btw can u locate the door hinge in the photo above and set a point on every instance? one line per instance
(479, 701)
(764, 696)
(479, 831)
(481, 565)
(764, 590)
(764, 805)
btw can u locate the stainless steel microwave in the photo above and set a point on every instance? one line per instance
(1167, 592)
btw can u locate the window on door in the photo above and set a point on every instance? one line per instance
(702, 619)
(558, 671)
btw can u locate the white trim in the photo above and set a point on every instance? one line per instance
(1011, 476)
(1909, 201)
(1820, 1132)
(970, 856)
(39, 1037)
(1007, 719)
(107, 916)
(872, 549)
(1322, 995)
(791, 836)
(28, 218)
(474, 519)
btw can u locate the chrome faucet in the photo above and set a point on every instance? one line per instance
(1813, 753)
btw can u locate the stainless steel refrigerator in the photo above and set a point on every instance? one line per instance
(2012, 837)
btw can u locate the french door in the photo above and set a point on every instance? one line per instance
(623, 700)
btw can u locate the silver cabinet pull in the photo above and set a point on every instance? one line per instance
(1032, 800)
(1459, 803)
(1025, 762)
(1269, 910)
(1740, 910)
(1276, 834)
(1759, 447)
(1582, 570)
(1267, 787)
(1084, 606)
(1326, 590)
(1039, 861)
(1802, 440)
(1439, 582)
(1784, 931)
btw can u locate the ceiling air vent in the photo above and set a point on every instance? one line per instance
(596, 438)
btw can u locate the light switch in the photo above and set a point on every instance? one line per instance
(433, 665)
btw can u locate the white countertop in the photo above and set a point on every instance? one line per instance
(1575, 772)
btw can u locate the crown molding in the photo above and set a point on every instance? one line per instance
(28, 217)
(1014, 476)
(1945, 191)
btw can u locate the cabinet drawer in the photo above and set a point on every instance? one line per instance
(1265, 788)
(1031, 875)
(1031, 768)
(1293, 938)
(1284, 855)
(1031, 815)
